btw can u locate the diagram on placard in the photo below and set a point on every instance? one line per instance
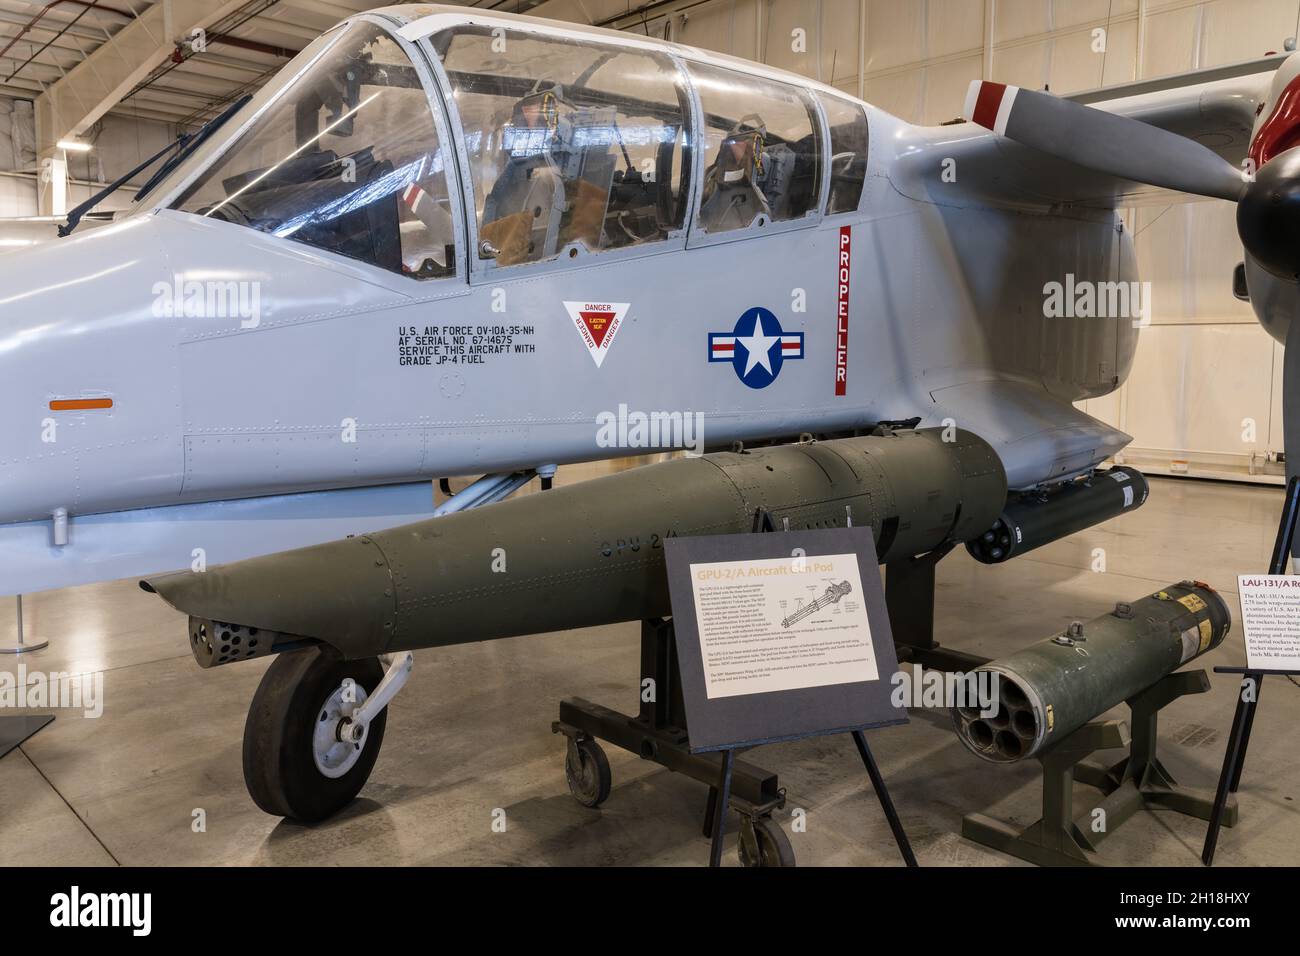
(832, 596)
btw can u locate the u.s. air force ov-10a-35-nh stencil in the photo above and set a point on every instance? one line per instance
(444, 242)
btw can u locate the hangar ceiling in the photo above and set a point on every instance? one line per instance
(86, 58)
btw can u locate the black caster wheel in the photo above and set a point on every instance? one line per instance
(295, 765)
(586, 769)
(762, 842)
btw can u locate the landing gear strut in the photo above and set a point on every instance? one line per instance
(314, 730)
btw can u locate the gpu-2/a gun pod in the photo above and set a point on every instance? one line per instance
(578, 556)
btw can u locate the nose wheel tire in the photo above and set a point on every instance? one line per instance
(586, 770)
(296, 762)
(763, 843)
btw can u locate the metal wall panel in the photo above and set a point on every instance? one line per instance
(728, 26)
(1199, 383)
(17, 198)
(1187, 251)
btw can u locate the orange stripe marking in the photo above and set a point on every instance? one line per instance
(80, 404)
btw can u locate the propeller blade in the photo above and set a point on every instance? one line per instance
(1102, 141)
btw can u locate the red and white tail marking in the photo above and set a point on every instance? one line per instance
(989, 104)
(413, 196)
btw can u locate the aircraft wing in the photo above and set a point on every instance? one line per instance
(1215, 107)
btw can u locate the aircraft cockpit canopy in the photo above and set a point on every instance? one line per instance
(347, 159)
(569, 146)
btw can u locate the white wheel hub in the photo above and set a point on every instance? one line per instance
(335, 756)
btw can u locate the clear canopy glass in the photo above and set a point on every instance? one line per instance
(848, 126)
(762, 149)
(346, 159)
(571, 145)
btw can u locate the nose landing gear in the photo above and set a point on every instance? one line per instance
(314, 730)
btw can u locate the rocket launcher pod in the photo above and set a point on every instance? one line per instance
(1033, 519)
(581, 555)
(1054, 687)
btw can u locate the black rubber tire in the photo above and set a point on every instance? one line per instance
(774, 847)
(591, 783)
(279, 770)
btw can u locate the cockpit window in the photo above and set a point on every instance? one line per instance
(848, 126)
(762, 157)
(570, 144)
(347, 159)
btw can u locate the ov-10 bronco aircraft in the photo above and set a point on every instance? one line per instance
(443, 242)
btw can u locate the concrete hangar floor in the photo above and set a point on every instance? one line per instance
(470, 734)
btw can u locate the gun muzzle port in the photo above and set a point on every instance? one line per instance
(214, 643)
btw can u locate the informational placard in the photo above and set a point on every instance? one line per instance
(1270, 619)
(780, 635)
(781, 624)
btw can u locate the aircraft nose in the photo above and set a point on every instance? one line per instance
(83, 374)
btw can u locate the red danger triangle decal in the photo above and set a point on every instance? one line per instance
(597, 323)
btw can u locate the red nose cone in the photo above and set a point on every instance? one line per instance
(1281, 130)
